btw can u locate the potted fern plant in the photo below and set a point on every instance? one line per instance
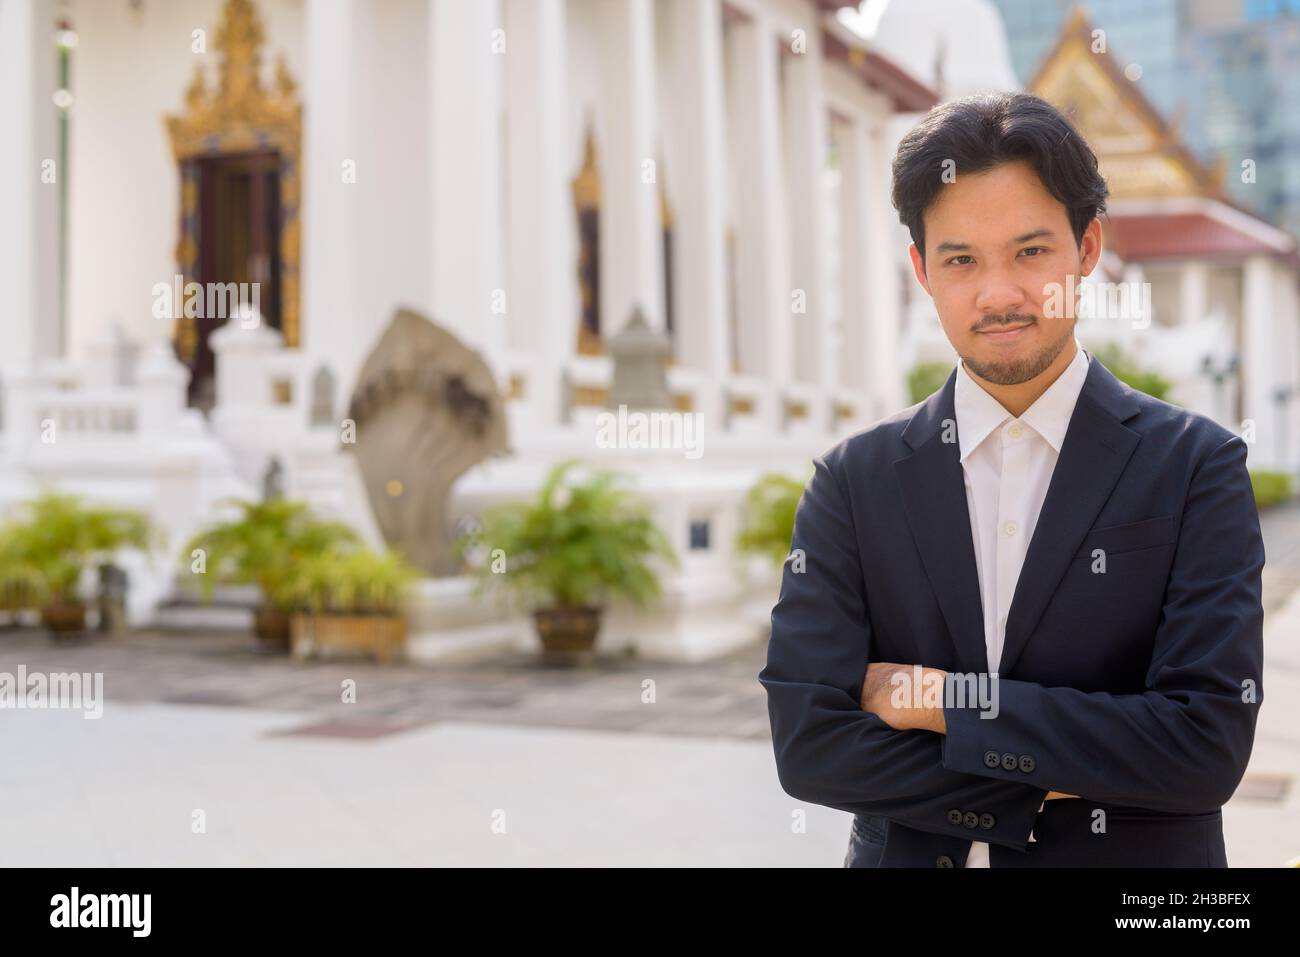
(53, 540)
(351, 598)
(580, 543)
(263, 546)
(22, 588)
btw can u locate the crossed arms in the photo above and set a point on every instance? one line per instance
(1181, 745)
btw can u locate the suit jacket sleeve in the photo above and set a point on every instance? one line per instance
(1183, 744)
(828, 750)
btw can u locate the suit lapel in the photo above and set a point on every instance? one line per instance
(1096, 448)
(934, 502)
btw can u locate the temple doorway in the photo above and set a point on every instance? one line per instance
(238, 235)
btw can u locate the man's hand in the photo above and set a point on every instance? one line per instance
(905, 697)
(910, 698)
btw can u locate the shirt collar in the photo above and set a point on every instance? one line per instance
(978, 413)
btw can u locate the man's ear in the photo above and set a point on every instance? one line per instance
(918, 267)
(1090, 247)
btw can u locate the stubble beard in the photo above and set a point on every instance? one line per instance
(1019, 370)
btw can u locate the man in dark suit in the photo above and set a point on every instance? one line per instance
(1020, 620)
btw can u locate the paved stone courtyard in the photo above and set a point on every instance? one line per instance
(721, 698)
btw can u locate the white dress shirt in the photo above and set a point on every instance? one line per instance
(1008, 464)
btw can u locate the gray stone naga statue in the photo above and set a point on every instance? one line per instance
(425, 409)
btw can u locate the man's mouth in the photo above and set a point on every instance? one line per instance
(1005, 333)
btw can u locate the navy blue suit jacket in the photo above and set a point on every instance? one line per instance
(1136, 688)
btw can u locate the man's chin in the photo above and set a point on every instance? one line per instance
(1013, 369)
(1001, 372)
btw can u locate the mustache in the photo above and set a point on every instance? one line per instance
(1007, 319)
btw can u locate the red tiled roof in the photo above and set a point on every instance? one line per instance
(1177, 236)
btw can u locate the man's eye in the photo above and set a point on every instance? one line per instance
(953, 260)
(1031, 249)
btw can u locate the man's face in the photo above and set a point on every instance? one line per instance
(997, 244)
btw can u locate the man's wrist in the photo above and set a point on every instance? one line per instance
(934, 719)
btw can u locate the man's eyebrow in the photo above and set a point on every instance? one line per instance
(1034, 234)
(951, 246)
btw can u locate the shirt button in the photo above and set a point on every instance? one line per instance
(1010, 528)
(1015, 430)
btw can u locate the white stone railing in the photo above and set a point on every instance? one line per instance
(86, 411)
(64, 402)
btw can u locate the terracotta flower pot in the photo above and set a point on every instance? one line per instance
(568, 635)
(64, 618)
(383, 636)
(272, 627)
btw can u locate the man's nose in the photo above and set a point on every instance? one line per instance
(999, 293)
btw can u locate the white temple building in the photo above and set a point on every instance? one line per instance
(527, 174)
(524, 173)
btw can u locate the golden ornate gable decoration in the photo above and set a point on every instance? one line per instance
(241, 116)
(1140, 154)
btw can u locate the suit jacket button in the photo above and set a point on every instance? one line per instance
(987, 821)
(954, 816)
(1027, 763)
(991, 759)
(971, 819)
(943, 861)
(1009, 762)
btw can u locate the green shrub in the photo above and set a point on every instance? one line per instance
(351, 581)
(767, 523)
(1270, 487)
(1122, 368)
(927, 378)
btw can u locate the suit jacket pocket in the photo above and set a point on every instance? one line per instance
(1115, 539)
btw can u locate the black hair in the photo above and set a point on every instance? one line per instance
(977, 133)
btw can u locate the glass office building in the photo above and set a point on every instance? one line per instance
(1226, 73)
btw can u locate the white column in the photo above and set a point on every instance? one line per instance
(467, 277)
(631, 239)
(28, 203)
(854, 145)
(700, 230)
(1193, 292)
(805, 136)
(331, 325)
(762, 266)
(542, 311)
(1258, 359)
(1286, 305)
(885, 378)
